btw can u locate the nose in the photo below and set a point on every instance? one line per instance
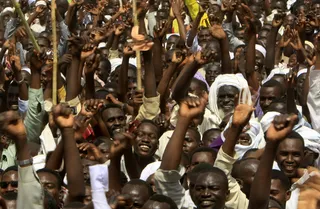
(289, 159)
(205, 193)
(145, 139)
(117, 122)
(10, 188)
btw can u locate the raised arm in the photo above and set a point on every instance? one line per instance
(11, 123)
(260, 190)
(271, 43)
(251, 50)
(189, 109)
(194, 29)
(64, 120)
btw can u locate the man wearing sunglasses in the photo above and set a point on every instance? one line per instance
(9, 181)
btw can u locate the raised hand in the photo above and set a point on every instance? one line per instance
(90, 107)
(15, 62)
(127, 51)
(62, 115)
(281, 126)
(122, 142)
(296, 41)
(65, 59)
(192, 107)
(37, 60)
(278, 20)
(119, 30)
(111, 98)
(11, 123)
(122, 201)
(87, 51)
(91, 152)
(218, 32)
(204, 56)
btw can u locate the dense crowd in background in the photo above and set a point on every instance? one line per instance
(180, 104)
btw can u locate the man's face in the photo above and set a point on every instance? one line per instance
(9, 182)
(289, 156)
(210, 191)
(12, 96)
(138, 193)
(202, 157)
(240, 34)
(114, 119)
(256, 11)
(289, 20)
(190, 142)
(259, 59)
(316, 8)
(151, 204)
(43, 43)
(209, 137)
(85, 168)
(267, 95)
(300, 83)
(226, 97)
(147, 140)
(172, 42)
(88, 196)
(249, 169)
(278, 192)
(103, 71)
(263, 37)
(204, 35)
(212, 73)
(280, 6)
(50, 183)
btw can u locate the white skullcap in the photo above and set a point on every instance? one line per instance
(261, 49)
(25, 68)
(302, 71)
(41, 3)
(7, 10)
(309, 44)
(118, 61)
(102, 45)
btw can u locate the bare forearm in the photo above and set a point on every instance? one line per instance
(157, 59)
(123, 78)
(260, 189)
(115, 43)
(291, 104)
(73, 165)
(150, 78)
(73, 85)
(89, 86)
(194, 30)
(251, 62)
(132, 166)
(181, 85)
(231, 134)
(182, 29)
(226, 65)
(271, 43)
(55, 160)
(114, 174)
(172, 154)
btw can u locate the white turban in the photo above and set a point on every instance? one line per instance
(261, 49)
(282, 71)
(236, 80)
(256, 134)
(302, 71)
(118, 61)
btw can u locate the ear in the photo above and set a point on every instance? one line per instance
(288, 195)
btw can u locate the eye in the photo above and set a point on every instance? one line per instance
(110, 120)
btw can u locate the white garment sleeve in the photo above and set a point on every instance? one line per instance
(99, 178)
(314, 99)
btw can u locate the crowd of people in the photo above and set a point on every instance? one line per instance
(161, 104)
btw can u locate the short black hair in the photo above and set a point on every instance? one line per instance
(249, 152)
(204, 149)
(273, 83)
(209, 131)
(139, 182)
(198, 135)
(55, 173)
(108, 106)
(201, 84)
(164, 199)
(295, 135)
(11, 168)
(237, 169)
(152, 123)
(285, 182)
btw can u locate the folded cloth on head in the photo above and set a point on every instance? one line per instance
(261, 49)
(256, 134)
(280, 70)
(302, 71)
(236, 80)
(201, 78)
(41, 3)
(115, 62)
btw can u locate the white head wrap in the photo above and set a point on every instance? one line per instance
(41, 3)
(302, 71)
(256, 134)
(7, 10)
(282, 71)
(236, 80)
(261, 49)
(118, 61)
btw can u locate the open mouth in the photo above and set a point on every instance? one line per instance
(144, 147)
(207, 203)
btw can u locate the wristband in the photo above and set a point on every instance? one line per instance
(25, 162)
(19, 82)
